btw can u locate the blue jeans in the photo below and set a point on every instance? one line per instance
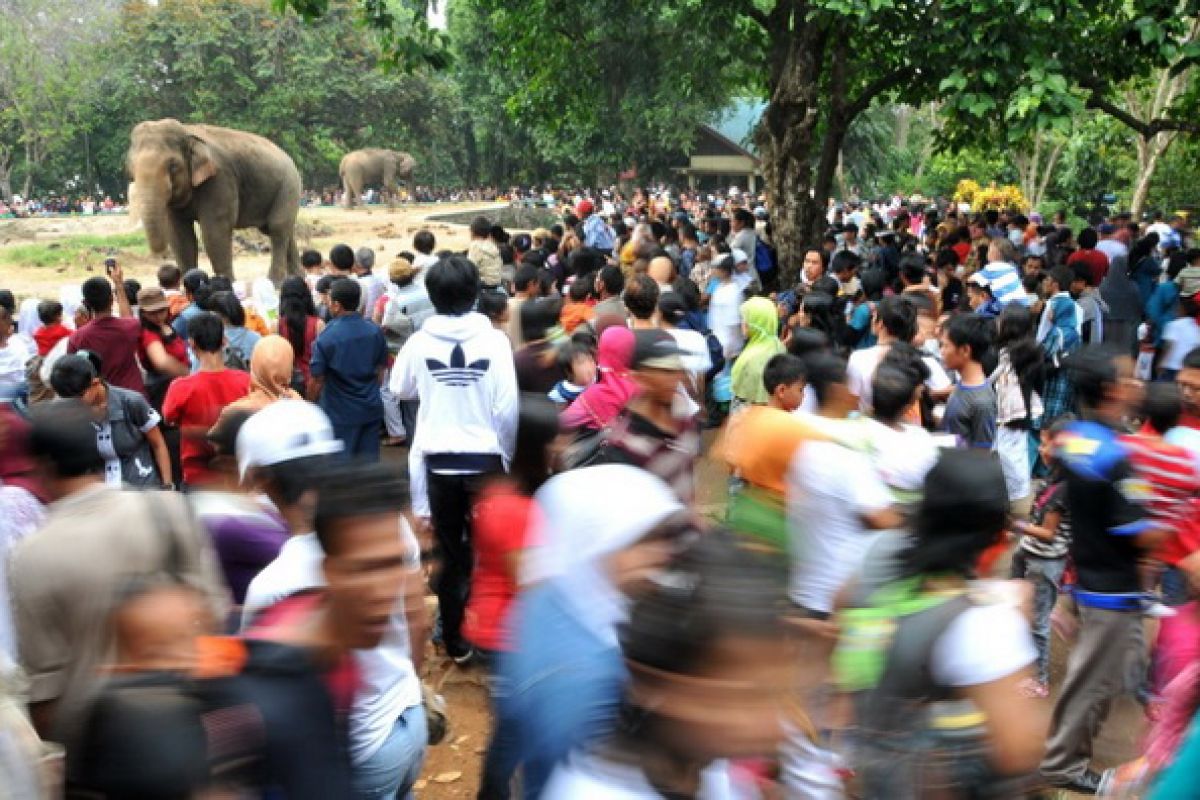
(396, 765)
(1046, 576)
(503, 752)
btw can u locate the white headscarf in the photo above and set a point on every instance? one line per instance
(587, 515)
(27, 319)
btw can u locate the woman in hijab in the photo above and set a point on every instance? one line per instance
(1124, 303)
(270, 375)
(600, 403)
(605, 532)
(760, 323)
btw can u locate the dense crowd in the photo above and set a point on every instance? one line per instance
(56, 205)
(955, 443)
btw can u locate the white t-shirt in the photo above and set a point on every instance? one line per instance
(902, 457)
(860, 371)
(588, 777)
(1182, 336)
(725, 318)
(1112, 248)
(983, 644)
(389, 684)
(830, 487)
(12, 365)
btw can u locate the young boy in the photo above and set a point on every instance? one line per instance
(52, 331)
(783, 378)
(578, 364)
(194, 402)
(1041, 554)
(1058, 331)
(313, 264)
(169, 278)
(971, 410)
(484, 254)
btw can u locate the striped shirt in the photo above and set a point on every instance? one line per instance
(1172, 473)
(1005, 283)
(1052, 497)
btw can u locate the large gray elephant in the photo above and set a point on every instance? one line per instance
(373, 167)
(221, 178)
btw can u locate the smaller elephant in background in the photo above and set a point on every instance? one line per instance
(373, 167)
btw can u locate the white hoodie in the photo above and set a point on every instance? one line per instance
(462, 370)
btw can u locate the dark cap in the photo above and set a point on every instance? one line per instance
(656, 349)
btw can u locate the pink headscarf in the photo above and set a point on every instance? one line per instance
(600, 403)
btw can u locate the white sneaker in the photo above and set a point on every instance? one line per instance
(1157, 610)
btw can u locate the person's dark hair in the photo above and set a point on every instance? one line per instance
(492, 304)
(585, 260)
(971, 330)
(1080, 272)
(672, 308)
(845, 260)
(324, 282)
(72, 375)
(290, 480)
(641, 296)
(687, 290)
(169, 276)
(873, 282)
(945, 258)
(63, 437)
(819, 308)
(912, 268)
(1142, 248)
(745, 217)
(898, 318)
(1014, 333)
(8, 300)
(582, 287)
(1192, 359)
(613, 280)
(783, 369)
(963, 509)
(220, 283)
(353, 492)
(1087, 238)
(539, 316)
(49, 312)
(342, 257)
(1063, 276)
(453, 285)
(228, 307)
(131, 287)
(716, 588)
(97, 295)
(823, 372)
(826, 284)
(206, 332)
(508, 256)
(424, 242)
(537, 425)
(525, 275)
(1175, 265)
(481, 227)
(498, 235)
(193, 280)
(310, 259)
(892, 391)
(347, 293)
(1093, 371)
(223, 434)
(806, 341)
(1162, 406)
(295, 306)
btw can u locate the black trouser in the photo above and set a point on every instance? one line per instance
(451, 500)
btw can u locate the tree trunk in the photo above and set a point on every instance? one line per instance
(1149, 153)
(6, 194)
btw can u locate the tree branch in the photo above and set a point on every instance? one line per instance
(872, 90)
(755, 13)
(1147, 129)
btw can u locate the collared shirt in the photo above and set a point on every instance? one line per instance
(116, 340)
(348, 355)
(121, 439)
(637, 441)
(597, 233)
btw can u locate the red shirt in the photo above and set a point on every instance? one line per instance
(1095, 261)
(176, 348)
(1173, 477)
(115, 340)
(501, 519)
(49, 335)
(196, 401)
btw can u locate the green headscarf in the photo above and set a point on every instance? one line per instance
(762, 324)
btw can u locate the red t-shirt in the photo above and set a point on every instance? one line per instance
(1095, 261)
(501, 520)
(115, 340)
(196, 401)
(1173, 477)
(176, 348)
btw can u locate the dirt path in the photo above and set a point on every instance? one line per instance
(386, 231)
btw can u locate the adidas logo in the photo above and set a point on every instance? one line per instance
(458, 372)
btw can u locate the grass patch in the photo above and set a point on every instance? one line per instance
(75, 250)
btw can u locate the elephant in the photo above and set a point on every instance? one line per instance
(221, 178)
(373, 167)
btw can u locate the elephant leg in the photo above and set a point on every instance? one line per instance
(218, 243)
(183, 242)
(347, 193)
(285, 260)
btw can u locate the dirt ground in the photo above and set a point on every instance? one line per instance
(452, 768)
(388, 232)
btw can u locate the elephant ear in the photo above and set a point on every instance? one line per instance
(203, 164)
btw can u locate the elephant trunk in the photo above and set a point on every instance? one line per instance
(151, 207)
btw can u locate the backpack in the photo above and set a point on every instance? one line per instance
(764, 257)
(236, 359)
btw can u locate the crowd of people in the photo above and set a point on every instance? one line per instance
(955, 444)
(56, 205)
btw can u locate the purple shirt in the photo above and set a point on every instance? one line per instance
(246, 537)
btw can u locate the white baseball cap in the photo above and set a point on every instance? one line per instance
(285, 431)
